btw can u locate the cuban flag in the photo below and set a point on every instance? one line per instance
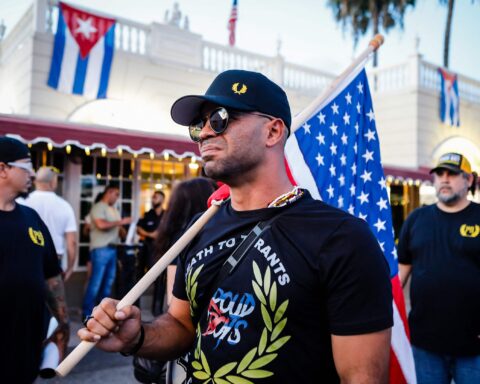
(449, 98)
(82, 53)
(336, 156)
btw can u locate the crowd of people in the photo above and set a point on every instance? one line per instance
(277, 287)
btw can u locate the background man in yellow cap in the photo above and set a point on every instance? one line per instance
(30, 275)
(440, 247)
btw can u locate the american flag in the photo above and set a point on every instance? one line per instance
(336, 156)
(232, 23)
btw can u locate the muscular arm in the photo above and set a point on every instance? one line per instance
(71, 241)
(362, 359)
(170, 335)
(404, 273)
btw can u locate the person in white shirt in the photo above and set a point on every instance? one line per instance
(58, 215)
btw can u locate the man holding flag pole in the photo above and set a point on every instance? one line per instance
(277, 287)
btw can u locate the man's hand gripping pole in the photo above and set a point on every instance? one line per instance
(85, 346)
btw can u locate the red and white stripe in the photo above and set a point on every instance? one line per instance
(232, 23)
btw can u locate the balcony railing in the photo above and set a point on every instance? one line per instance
(133, 37)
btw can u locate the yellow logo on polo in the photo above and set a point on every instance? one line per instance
(36, 236)
(241, 91)
(470, 230)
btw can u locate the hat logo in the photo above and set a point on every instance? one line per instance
(237, 91)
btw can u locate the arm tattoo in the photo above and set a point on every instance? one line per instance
(56, 298)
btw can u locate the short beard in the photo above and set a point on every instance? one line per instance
(453, 198)
(229, 170)
(23, 195)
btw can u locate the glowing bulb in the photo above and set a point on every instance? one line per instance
(68, 149)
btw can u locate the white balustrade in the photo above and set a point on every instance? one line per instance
(416, 73)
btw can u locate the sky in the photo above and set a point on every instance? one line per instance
(307, 30)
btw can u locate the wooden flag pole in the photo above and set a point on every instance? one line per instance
(85, 346)
(303, 116)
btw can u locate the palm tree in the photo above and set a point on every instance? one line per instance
(363, 14)
(448, 29)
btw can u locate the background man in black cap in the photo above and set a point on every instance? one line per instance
(440, 246)
(310, 301)
(27, 259)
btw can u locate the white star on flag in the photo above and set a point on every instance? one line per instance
(352, 190)
(333, 149)
(320, 138)
(330, 191)
(382, 183)
(366, 176)
(371, 115)
(382, 203)
(368, 155)
(370, 135)
(320, 159)
(380, 225)
(346, 119)
(321, 118)
(344, 139)
(348, 97)
(85, 27)
(335, 109)
(360, 87)
(306, 127)
(332, 170)
(363, 197)
(333, 128)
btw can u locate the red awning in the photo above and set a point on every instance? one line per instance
(421, 173)
(61, 134)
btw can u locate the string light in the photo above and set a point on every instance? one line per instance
(120, 151)
(87, 151)
(49, 146)
(68, 149)
(104, 152)
(152, 155)
(166, 156)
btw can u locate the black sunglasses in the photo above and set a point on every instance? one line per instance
(218, 119)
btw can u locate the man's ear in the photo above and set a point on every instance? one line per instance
(3, 166)
(277, 132)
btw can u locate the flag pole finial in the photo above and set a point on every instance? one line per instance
(376, 42)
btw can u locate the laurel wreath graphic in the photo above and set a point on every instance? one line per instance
(192, 286)
(253, 364)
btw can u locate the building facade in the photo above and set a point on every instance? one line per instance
(92, 141)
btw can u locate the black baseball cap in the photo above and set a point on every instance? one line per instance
(12, 150)
(236, 89)
(454, 162)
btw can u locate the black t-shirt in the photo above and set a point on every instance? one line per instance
(150, 222)
(318, 271)
(27, 258)
(444, 251)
